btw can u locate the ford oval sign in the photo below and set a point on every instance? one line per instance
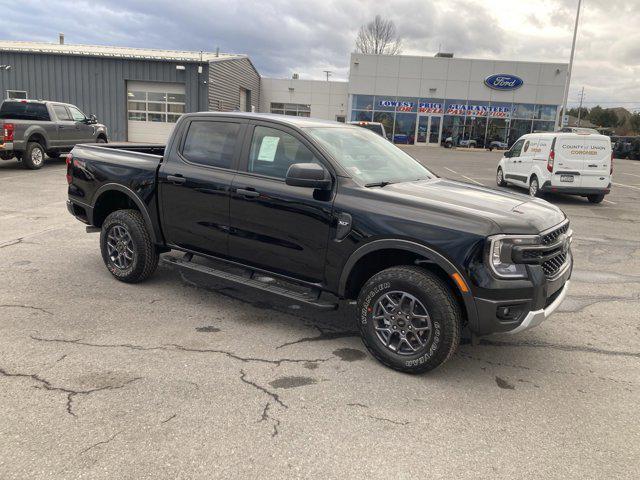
(502, 81)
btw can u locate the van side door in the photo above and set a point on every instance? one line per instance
(525, 163)
(511, 173)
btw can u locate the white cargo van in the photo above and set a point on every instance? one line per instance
(571, 163)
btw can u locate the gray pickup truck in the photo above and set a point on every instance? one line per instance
(29, 129)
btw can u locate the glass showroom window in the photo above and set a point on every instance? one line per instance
(387, 119)
(362, 102)
(293, 109)
(405, 128)
(519, 128)
(475, 128)
(543, 126)
(155, 106)
(361, 116)
(546, 112)
(497, 130)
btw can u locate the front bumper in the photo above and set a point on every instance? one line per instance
(535, 318)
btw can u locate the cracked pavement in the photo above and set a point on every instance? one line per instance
(182, 377)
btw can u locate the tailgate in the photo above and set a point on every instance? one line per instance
(588, 159)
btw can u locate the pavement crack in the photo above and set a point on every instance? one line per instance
(170, 418)
(266, 417)
(558, 346)
(28, 307)
(45, 384)
(383, 419)
(174, 347)
(324, 335)
(273, 395)
(103, 442)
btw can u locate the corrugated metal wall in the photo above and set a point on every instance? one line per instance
(225, 79)
(97, 85)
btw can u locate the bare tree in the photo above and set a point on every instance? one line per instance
(379, 37)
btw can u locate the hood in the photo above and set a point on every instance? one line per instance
(511, 212)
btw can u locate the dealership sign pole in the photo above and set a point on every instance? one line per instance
(573, 49)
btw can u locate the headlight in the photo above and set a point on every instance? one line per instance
(498, 254)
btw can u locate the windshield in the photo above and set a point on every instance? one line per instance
(369, 158)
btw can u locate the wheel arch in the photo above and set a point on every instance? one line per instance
(404, 252)
(111, 197)
(37, 136)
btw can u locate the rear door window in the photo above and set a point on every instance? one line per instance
(62, 113)
(211, 143)
(24, 111)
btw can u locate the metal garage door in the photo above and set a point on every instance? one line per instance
(153, 108)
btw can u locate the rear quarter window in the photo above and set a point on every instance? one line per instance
(24, 111)
(211, 143)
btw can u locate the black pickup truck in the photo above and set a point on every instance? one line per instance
(332, 212)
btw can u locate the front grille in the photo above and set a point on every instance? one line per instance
(552, 236)
(552, 267)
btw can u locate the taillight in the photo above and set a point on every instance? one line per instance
(611, 168)
(69, 160)
(552, 156)
(7, 132)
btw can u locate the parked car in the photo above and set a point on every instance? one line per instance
(375, 127)
(333, 212)
(571, 163)
(32, 128)
(626, 147)
(449, 142)
(498, 145)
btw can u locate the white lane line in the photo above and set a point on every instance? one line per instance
(609, 201)
(472, 180)
(628, 186)
(625, 173)
(452, 171)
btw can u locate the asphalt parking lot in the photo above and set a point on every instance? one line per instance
(180, 377)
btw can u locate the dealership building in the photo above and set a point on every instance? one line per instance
(140, 93)
(426, 100)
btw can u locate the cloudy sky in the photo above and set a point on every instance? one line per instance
(309, 36)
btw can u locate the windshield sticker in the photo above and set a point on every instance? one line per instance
(268, 149)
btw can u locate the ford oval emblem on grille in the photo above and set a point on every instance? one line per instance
(503, 81)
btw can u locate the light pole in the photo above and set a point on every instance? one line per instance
(573, 49)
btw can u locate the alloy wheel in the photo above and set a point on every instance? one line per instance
(120, 247)
(37, 157)
(533, 188)
(402, 323)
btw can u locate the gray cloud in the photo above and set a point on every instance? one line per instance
(309, 36)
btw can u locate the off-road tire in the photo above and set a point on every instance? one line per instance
(31, 154)
(101, 140)
(595, 198)
(500, 178)
(145, 254)
(443, 308)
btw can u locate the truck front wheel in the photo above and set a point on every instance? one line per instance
(127, 248)
(409, 319)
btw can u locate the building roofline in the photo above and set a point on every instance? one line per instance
(459, 58)
(105, 51)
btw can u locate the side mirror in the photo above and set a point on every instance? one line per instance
(93, 119)
(507, 154)
(309, 175)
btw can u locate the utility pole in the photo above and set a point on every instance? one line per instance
(580, 107)
(573, 49)
(328, 73)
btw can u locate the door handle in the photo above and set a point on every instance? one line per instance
(176, 179)
(248, 192)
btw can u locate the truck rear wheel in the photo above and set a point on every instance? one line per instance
(409, 319)
(127, 248)
(595, 198)
(33, 157)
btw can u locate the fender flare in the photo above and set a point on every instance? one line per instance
(35, 130)
(107, 187)
(418, 248)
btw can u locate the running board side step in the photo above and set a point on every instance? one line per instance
(313, 298)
